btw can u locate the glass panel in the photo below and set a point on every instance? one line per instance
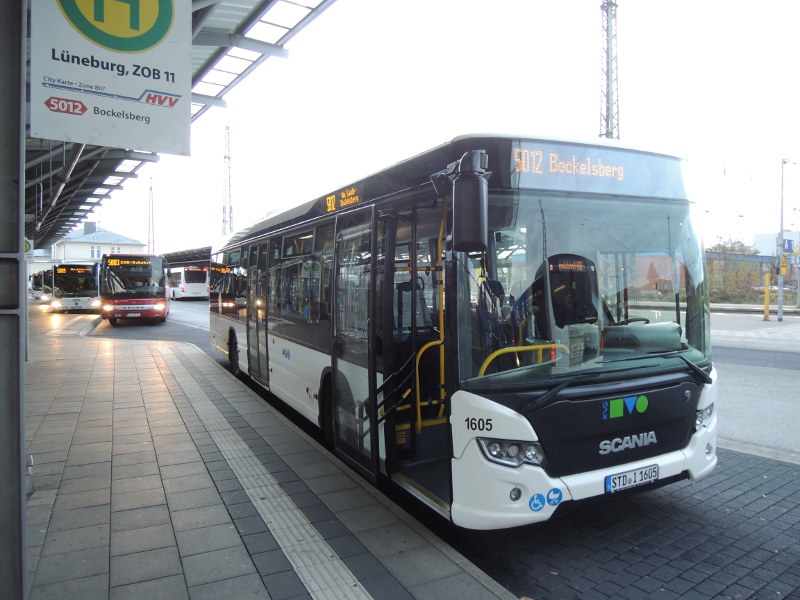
(572, 284)
(353, 369)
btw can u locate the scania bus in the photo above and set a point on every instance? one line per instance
(188, 282)
(75, 287)
(134, 286)
(505, 327)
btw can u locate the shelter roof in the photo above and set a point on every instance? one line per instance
(65, 181)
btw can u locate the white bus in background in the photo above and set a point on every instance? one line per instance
(188, 282)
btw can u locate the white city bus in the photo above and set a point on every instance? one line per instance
(188, 282)
(75, 287)
(502, 326)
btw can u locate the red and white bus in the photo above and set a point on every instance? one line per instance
(134, 286)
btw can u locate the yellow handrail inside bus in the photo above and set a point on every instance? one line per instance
(418, 398)
(533, 348)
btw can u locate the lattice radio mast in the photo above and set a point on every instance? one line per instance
(609, 102)
(227, 202)
(151, 227)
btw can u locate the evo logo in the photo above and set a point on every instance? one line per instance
(614, 409)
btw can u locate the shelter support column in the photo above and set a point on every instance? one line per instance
(13, 304)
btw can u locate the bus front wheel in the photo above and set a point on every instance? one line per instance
(113, 322)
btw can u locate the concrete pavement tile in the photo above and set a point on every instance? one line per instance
(142, 539)
(165, 588)
(419, 566)
(140, 470)
(83, 538)
(194, 499)
(71, 565)
(347, 499)
(217, 565)
(80, 517)
(133, 458)
(177, 458)
(90, 447)
(194, 518)
(391, 540)
(85, 484)
(455, 587)
(145, 566)
(135, 484)
(75, 471)
(88, 588)
(188, 483)
(132, 447)
(88, 458)
(387, 587)
(247, 587)
(286, 585)
(357, 520)
(82, 499)
(139, 518)
(216, 537)
(183, 470)
(137, 499)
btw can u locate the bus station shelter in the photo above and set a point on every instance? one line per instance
(51, 185)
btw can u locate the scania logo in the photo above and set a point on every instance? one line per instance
(628, 442)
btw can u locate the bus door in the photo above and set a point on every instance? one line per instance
(257, 314)
(417, 412)
(356, 335)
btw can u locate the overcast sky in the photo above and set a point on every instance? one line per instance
(371, 82)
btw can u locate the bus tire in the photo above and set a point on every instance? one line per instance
(233, 354)
(112, 322)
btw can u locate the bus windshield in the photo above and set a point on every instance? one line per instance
(573, 285)
(75, 281)
(139, 277)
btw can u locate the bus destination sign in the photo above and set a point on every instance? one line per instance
(349, 196)
(562, 166)
(118, 262)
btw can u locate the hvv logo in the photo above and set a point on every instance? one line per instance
(614, 409)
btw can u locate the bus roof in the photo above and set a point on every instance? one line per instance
(414, 173)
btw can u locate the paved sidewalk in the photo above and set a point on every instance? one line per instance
(157, 474)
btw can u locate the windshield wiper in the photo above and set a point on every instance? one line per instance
(704, 377)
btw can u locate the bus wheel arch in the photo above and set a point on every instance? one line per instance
(233, 352)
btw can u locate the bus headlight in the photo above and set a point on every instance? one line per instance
(511, 453)
(159, 306)
(108, 307)
(45, 298)
(56, 304)
(703, 417)
(95, 303)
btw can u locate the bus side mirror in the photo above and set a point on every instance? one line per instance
(470, 200)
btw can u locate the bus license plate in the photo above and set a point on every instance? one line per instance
(629, 479)
(132, 315)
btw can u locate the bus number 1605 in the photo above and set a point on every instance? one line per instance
(474, 424)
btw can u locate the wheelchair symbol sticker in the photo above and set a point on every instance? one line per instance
(537, 502)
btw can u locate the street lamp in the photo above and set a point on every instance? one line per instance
(781, 263)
